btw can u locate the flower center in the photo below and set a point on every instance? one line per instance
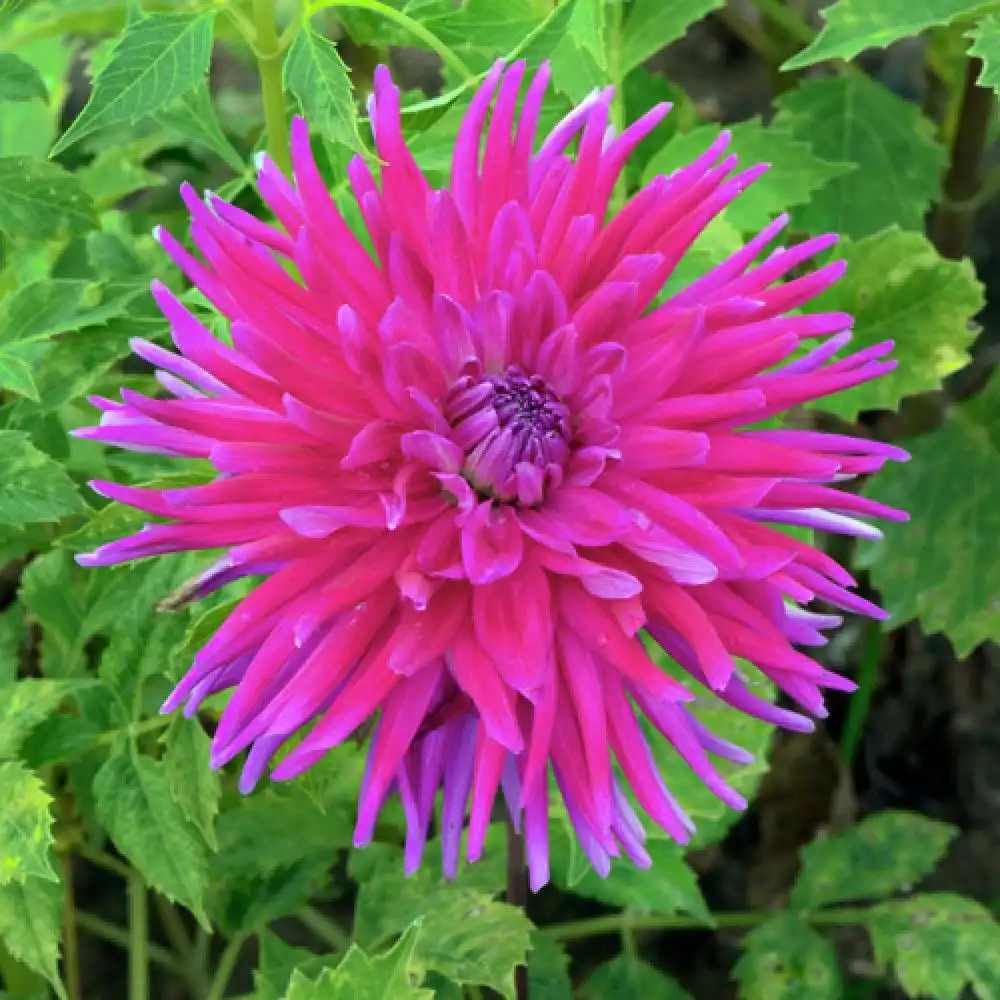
(515, 433)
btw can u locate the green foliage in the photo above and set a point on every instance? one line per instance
(358, 977)
(938, 944)
(30, 926)
(897, 286)
(158, 59)
(194, 785)
(784, 959)
(41, 200)
(650, 25)
(854, 25)
(940, 571)
(626, 977)
(134, 803)
(25, 826)
(986, 45)
(851, 119)
(34, 487)
(879, 855)
(19, 80)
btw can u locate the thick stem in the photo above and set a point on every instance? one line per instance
(517, 894)
(271, 87)
(71, 946)
(138, 934)
(224, 970)
(954, 218)
(113, 934)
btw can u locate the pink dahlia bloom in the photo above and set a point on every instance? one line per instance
(473, 465)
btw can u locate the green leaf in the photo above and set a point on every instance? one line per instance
(383, 977)
(851, 119)
(134, 803)
(938, 568)
(158, 59)
(580, 60)
(24, 705)
(31, 928)
(796, 172)
(855, 25)
(39, 309)
(15, 375)
(33, 487)
(114, 174)
(784, 959)
(986, 45)
(879, 855)
(195, 786)
(317, 76)
(628, 978)
(25, 826)
(278, 961)
(480, 31)
(41, 200)
(653, 24)
(192, 118)
(19, 80)
(548, 968)
(669, 886)
(937, 944)
(898, 288)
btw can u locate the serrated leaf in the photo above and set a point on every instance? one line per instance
(19, 80)
(31, 928)
(855, 25)
(41, 200)
(114, 174)
(668, 886)
(133, 802)
(879, 855)
(33, 487)
(653, 24)
(317, 76)
(278, 961)
(26, 703)
(898, 288)
(192, 117)
(195, 786)
(784, 959)
(480, 31)
(158, 59)
(359, 977)
(851, 119)
(796, 172)
(580, 60)
(39, 309)
(937, 944)
(15, 376)
(986, 45)
(626, 977)
(25, 826)
(937, 568)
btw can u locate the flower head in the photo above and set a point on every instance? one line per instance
(474, 463)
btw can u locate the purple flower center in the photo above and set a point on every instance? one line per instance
(514, 430)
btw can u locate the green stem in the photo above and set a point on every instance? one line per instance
(71, 946)
(134, 730)
(616, 923)
(113, 934)
(616, 20)
(191, 961)
(857, 711)
(138, 933)
(102, 860)
(224, 970)
(789, 20)
(324, 928)
(415, 28)
(268, 52)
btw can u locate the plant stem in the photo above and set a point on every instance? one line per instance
(324, 928)
(224, 970)
(192, 962)
(71, 946)
(415, 28)
(857, 711)
(789, 20)
(113, 934)
(954, 218)
(517, 894)
(615, 923)
(133, 730)
(102, 860)
(138, 933)
(272, 91)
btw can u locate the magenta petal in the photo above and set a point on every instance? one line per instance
(492, 543)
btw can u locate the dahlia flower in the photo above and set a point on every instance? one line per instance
(476, 465)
